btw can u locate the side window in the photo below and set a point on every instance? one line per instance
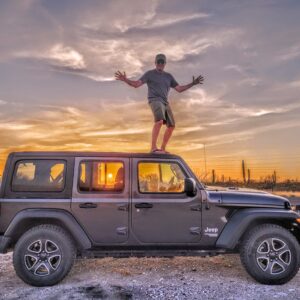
(39, 176)
(160, 178)
(97, 176)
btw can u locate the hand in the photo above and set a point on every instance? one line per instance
(198, 80)
(120, 76)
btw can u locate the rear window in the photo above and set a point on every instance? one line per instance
(39, 176)
(99, 176)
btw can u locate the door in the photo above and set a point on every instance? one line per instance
(100, 199)
(161, 210)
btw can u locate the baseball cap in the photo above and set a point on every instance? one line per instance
(160, 56)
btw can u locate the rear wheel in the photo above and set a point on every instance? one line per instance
(44, 255)
(270, 254)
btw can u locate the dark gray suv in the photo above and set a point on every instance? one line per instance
(56, 206)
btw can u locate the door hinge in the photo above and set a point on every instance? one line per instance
(122, 230)
(195, 230)
(196, 207)
(123, 207)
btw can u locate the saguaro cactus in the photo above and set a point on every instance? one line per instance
(244, 171)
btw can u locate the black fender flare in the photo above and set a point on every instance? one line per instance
(63, 217)
(242, 219)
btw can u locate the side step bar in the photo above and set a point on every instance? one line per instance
(149, 253)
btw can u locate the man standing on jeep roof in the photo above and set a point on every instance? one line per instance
(159, 83)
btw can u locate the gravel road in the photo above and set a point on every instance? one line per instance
(220, 277)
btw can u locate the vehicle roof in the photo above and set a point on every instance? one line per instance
(91, 154)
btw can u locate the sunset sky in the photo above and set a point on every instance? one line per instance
(57, 87)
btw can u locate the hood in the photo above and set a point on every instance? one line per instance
(243, 197)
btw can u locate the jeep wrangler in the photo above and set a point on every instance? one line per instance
(56, 206)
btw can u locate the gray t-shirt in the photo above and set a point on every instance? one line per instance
(159, 84)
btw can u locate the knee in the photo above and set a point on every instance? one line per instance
(160, 122)
(171, 127)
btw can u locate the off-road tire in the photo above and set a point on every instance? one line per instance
(44, 255)
(270, 254)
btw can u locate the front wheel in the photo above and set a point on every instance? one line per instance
(44, 255)
(270, 254)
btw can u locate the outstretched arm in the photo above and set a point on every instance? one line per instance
(123, 77)
(182, 88)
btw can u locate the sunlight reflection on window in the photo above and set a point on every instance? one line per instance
(160, 178)
(101, 176)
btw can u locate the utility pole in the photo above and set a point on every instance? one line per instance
(204, 150)
(249, 176)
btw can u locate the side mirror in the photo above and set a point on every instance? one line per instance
(190, 187)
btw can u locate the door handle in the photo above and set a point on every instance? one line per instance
(143, 205)
(88, 205)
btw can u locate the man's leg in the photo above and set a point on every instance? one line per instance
(170, 127)
(167, 136)
(155, 133)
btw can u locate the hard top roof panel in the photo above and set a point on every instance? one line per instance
(31, 154)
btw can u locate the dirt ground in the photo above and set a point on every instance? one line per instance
(220, 277)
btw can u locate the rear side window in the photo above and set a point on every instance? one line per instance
(39, 176)
(160, 178)
(99, 176)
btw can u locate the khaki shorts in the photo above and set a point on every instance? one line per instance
(163, 112)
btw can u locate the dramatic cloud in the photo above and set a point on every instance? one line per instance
(66, 56)
(58, 55)
(167, 20)
(291, 53)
